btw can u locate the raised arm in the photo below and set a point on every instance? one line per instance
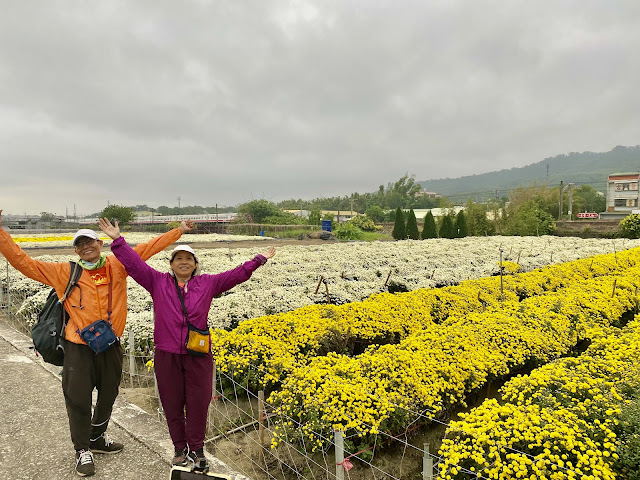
(229, 279)
(133, 264)
(157, 244)
(49, 273)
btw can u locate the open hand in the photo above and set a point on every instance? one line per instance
(112, 230)
(186, 226)
(269, 253)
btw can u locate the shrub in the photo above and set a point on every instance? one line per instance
(447, 228)
(348, 231)
(412, 226)
(399, 227)
(630, 226)
(429, 229)
(461, 229)
(363, 223)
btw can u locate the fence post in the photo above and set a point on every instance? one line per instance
(155, 382)
(214, 395)
(132, 358)
(339, 442)
(261, 416)
(427, 464)
(2, 293)
(8, 293)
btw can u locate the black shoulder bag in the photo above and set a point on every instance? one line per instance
(48, 332)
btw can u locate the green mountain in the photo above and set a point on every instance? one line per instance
(578, 168)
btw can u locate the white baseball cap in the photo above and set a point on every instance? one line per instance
(185, 248)
(85, 232)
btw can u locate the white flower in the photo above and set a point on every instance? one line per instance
(351, 271)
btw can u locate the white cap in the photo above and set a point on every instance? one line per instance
(185, 248)
(85, 232)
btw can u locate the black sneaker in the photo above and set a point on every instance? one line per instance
(181, 457)
(200, 463)
(84, 463)
(104, 444)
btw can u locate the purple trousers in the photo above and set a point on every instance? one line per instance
(185, 388)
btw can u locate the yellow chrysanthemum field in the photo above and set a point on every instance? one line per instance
(561, 339)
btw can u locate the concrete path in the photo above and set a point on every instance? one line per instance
(34, 430)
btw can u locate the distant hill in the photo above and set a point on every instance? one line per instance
(579, 168)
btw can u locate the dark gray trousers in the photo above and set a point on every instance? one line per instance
(84, 370)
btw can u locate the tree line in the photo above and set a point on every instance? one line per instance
(525, 211)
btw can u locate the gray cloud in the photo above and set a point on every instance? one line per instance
(223, 102)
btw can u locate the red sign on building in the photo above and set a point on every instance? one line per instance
(588, 215)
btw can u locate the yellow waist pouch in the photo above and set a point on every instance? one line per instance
(198, 341)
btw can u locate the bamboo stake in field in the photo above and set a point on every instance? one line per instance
(615, 280)
(387, 280)
(501, 279)
(318, 287)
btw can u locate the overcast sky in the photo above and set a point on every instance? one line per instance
(222, 102)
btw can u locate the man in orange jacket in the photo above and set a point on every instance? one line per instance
(84, 370)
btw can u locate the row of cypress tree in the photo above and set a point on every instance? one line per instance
(451, 226)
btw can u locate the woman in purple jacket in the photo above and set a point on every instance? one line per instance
(181, 297)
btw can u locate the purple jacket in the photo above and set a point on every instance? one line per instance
(170, 330)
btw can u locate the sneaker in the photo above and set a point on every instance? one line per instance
(84, 463)
(200, 463)
(104, 444)
(181, 458)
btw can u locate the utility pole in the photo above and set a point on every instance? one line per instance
(547, 174)
(570, 187)
(179, 205)
(560, 208)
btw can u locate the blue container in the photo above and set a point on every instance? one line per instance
(326, 225)
(262, 233)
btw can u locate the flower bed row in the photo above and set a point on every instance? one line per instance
(559, 422)
(261, 352)
(39, 240)
(435, 369)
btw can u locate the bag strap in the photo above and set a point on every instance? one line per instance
(184, 309)
(74, 277)
(109, 307)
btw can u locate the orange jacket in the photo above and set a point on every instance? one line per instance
(94, 297)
